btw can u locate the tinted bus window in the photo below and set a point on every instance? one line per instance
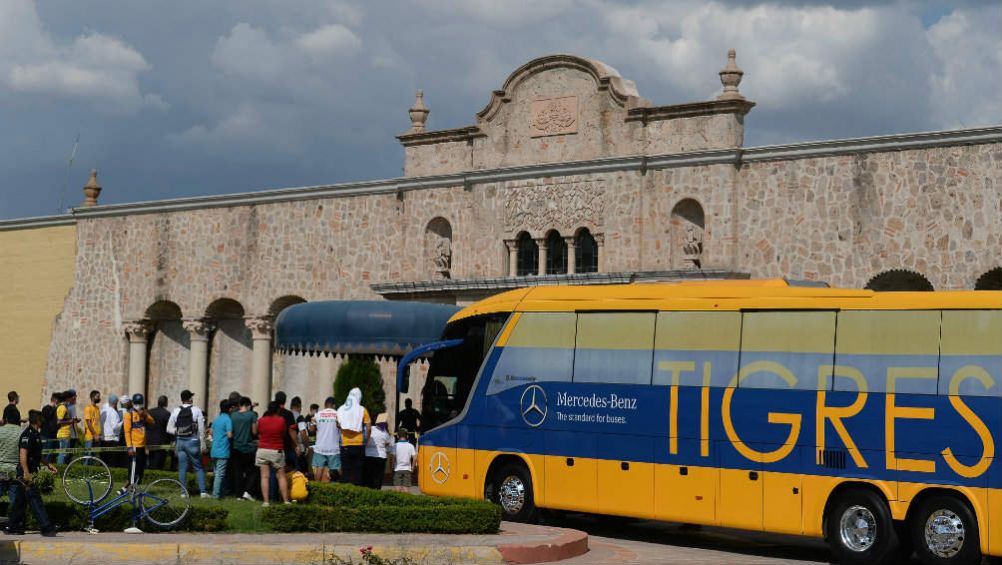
(971, 353)
(787, 350)
(614, 347)
(694, 347)
(540, 348)
(896, 350)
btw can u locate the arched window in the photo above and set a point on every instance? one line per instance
(586, 259)
(899, 280)
(992, 280)
(556, 254)
(528, 256)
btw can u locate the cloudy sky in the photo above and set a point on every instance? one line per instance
(184, 98)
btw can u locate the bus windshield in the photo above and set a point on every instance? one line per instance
(452, 371)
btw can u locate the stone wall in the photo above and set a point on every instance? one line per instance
(846, 219)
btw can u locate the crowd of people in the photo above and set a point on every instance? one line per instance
(252, 456)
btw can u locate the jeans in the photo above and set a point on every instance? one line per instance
(64, 444)
(21, 497)
(219, 475)
(190, 450)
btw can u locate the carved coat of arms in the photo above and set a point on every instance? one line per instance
(554, 116)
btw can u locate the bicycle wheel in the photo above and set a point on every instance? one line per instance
(165, 502)
(87, 480)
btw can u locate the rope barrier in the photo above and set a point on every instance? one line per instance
(120, 449)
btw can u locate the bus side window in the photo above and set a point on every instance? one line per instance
(896, 346)
(696, 348)
(970, 350)
(539, 349)
(784, 349)
(614, 347)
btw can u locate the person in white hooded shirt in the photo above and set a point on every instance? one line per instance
(353, 419)
(111, 426)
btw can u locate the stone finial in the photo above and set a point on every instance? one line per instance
(418, 113)
(91, 190)
(730, 77)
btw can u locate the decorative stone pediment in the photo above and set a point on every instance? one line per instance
(565, 108)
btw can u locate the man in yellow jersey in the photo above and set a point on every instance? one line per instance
(354, 422)
(92, 421)
(66, 423)
(134, 424)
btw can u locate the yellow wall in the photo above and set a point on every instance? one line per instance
(36, 273)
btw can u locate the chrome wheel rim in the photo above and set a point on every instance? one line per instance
(944, 533)
(858, 528)
(511, 495)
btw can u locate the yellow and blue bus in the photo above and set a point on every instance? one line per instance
(862, 417)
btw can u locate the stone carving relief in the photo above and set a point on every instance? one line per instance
(438, 247)
(554, 116)
(564, 206)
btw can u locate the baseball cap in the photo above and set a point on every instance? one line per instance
(112, 399)
(186, 395)
(126, 399)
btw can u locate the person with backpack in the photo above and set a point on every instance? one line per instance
(50, 425)
(187, 424)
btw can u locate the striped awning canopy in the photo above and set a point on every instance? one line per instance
(377, 327)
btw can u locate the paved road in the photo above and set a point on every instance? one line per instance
(616, 541)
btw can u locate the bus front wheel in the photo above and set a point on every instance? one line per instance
(511, 489)
(946, 532)
(859, 528)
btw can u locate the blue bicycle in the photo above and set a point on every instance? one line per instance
(163, 503)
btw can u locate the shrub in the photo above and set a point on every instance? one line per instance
(349, 496)
(69, 517)
(469, 517)
(361, 371)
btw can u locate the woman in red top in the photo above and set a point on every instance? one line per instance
(271, 431)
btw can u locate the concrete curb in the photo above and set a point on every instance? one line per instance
(103, 553)
(525, 544)
(570, 543)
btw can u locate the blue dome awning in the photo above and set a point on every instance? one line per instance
(376, 327)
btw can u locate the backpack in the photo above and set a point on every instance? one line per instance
(185, 422)
(49, 423)
(297, 483)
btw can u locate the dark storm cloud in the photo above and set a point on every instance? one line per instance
(193, 98)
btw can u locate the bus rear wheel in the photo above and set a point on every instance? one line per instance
(945, 532)
(511, 488)
(859, 528)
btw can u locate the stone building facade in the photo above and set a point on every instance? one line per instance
(567, 175)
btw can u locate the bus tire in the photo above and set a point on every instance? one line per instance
(512, 490)
(945, 532)
(859, 528)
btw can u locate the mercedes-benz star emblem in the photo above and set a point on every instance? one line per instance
(439, 467)
(533, 405)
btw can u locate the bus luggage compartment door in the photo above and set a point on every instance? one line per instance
(626, 475)
(741, 490)
(571, 477)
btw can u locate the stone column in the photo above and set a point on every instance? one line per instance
(260, 328)
(600, 243)
(198, 359)
(139, 333)
(572, 253)
(541, 243)
(512, 246)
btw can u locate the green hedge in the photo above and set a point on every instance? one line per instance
(347, 496)
(73, 517)
(469, 517)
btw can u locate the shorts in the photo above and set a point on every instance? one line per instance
(332, 462)
(402, 478)
(269, 457)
